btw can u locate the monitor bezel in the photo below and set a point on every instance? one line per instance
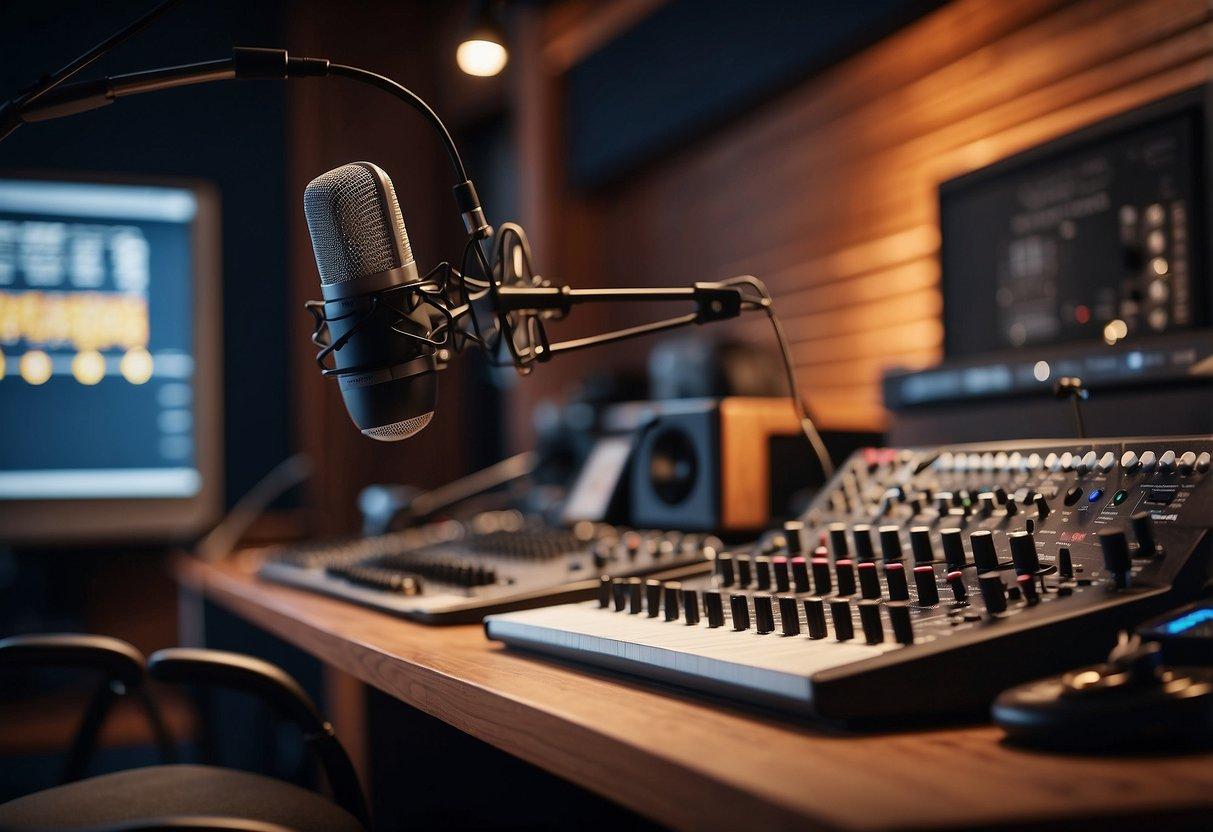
(149, 520)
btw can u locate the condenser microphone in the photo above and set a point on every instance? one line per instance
(388, 380)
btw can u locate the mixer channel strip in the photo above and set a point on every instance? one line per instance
(455, 572)
(990, 565)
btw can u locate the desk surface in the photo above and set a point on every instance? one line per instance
(695, 764)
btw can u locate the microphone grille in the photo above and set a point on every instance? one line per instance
(355, 223)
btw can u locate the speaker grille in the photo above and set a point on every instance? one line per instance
(400, 430)
(354, 226)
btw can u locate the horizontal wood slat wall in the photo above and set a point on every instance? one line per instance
(828, 192)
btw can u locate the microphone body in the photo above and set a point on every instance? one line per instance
(388, 380)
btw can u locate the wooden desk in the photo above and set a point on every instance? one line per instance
(694, 764)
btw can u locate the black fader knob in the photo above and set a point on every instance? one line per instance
(895, 577)
(604, 591)
(869, 583)
(869, 620)
(619, 593)
(899, 617)
(815, 617)
(690, 606)
(714, 607)
(652, 597)
(744, 570)
(924, 585)
(783, 581)
(1023, 553)
(984, 554)
(1143, 530)
(1042, 506)
(1011, 508)
(890, 544)
(1116, 557)
(800, 575)
(764, 615)
(838, 540)
(1027, 587)
(920, 545)
(861, 535)
(762, 565)
(956, 582)
(993, 593)
(793, 535)
(844, 570)
(821, 575)
(670, 599)
(1065, 563)
(789, 616)
(724, 569)
(953, 548)
(740, 608)
(840, 614)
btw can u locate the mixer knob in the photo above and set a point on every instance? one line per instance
(1023, 553)
(1066, 461)
(944, 462)
(1143, 530)
(943, 502)
(1106, 462)
(845, 570)
(1015, 462)
(924, 585)
(838, 540)
(1116, 556)
(984, 554)
(987, 461)
(724, 569)
(1027, 587)
(993, 593)
(1203, 461)
(1129, 461)
(670, 598)
(869, 584)
(953, 548)
(744, 570)
(604, 591)
(714, 608)
(903, 627)
(1001, 461)
(920, 545)
(1086, 462)
(840, 614)
(800, 575)
(821, 575)
(1187, 461)
(1042, 506)
(895, 578)
(1148, 461)
(1053, 462)
(815, 617)
(862, 536)
(619, 593)
(1034, 462)
(652, 597)
(782, 582)
(789, 616)
(1065, 564)
(1012, 509)
(1166, 462)
(890, 543)
(1000, 495)
(764, 615)
(762, 565)
(869, 620)
(915, 506)
(690, 606)
(793, 534)
(740, 610)
(956, 582)
(987, 503)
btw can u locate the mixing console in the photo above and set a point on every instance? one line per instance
(920, 581)
(452, 572)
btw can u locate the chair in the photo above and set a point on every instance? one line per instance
(179, 796)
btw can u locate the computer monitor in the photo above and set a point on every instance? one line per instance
(110, 420)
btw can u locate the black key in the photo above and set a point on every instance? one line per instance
(652, 597)
(782, 577)
(740, 610)
(815, 616)
(953, 549)
(924, 585)
(844, 627)
(845, 571)
(869, 619)
(903, 626)
(895, 578)
(714, 608)
(822, 584)
(984, 554)
(862, 536)
(764, 615)
(800, 575)
(789, 616)
(690, 606)
(869, 583)
(670, 600)
(890, 544)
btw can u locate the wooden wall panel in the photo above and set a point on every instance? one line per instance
(828, 192)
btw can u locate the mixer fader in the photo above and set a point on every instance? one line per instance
(968, 569)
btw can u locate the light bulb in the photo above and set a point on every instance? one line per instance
(480, 57)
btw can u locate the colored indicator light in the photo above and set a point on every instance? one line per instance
(1095, 495)
(1119, 497)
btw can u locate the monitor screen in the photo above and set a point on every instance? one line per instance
(99, 343)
